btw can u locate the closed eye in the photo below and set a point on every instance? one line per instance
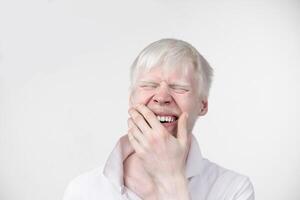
(179, 89)
(148, 85)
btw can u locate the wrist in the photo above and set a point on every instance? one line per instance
(172, 187)
(168, 179)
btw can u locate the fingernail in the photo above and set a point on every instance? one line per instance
(138, 105)
(130, 110)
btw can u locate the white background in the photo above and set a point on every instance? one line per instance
(64, 68)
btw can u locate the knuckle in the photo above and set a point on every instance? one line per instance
(130, 137)
(134, 133)
(130, 130)
(153, 140)
(129, 120)
(147, 114)
(137, 118)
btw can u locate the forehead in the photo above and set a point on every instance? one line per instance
(169, 73)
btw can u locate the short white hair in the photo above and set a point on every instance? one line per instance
(173, 52)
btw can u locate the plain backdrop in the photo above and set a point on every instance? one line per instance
(64, 68)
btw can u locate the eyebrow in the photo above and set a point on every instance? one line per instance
(179, 85)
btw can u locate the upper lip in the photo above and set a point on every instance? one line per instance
(164, 113)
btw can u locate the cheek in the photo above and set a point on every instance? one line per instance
(190, 108)
(139, 96)
(185, 102)
(187, 105)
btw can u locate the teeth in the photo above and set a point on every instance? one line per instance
(159, 118)
(166, 118)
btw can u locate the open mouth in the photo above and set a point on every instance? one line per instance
(167, 118)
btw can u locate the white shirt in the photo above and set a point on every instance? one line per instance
(206, 180)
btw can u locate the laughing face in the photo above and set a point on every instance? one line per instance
(168, 92)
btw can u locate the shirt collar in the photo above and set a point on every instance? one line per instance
(113, 168)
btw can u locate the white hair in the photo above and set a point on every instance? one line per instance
(174, 52)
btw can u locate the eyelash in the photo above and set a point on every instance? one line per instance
(148, 86)
(176, 89)
(180, 90)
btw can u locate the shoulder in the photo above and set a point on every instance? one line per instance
(226, 183)
(85, 184)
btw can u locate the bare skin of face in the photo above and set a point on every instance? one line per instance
(164, 106)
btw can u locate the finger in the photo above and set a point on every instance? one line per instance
(137, 134)
(139, 120)
(182, 129)
(134, 143)
(149, 116)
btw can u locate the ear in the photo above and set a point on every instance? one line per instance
(130, 99)
(203, 107)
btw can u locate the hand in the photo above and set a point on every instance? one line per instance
(162, 154)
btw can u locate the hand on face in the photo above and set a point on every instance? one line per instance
(162, 154)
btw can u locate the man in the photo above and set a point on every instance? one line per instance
(159, 159)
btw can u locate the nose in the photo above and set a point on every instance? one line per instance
(162, 95)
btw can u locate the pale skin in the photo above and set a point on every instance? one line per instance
(156, 169)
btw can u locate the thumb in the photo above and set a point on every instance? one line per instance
(182, 128)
